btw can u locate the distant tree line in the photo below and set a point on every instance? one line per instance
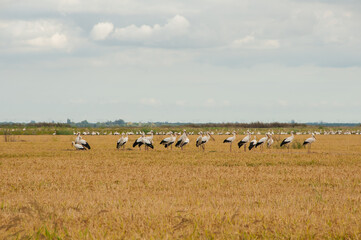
(122, 123)
(247, 125)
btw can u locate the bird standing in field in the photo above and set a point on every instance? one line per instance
(143, 141)
(139, 141)
(199, 139)
(287, 141)
(82, 142)
(205, 139)
(78, 146)
(253, 143)
(183, 140)
(262, 141)
(230, 140)
(309, 142)
(244, 141)
(169, 140)
(122, 141)
(150, 139)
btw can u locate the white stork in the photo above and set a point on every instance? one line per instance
(262, 141)
(205, 139)
(169, 140)
(149, 138)
(309, 142)
(253, 143)
(199, 139)
(122, 141)
(270, 141)
(143, 141)
(81, 141)
(78, 146)
(183, 140)
(139, 141)
(287, 141)
(244, 141)
(230, 140)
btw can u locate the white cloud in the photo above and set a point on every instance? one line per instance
(176, 26)
(35, 35)
(57, 40)
(101, 30)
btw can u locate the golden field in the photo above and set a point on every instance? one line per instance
(50, 191)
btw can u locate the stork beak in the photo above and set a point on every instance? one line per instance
(212, 138)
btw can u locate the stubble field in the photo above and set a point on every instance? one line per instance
(48, 190)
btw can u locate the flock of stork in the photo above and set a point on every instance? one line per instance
(202, 140)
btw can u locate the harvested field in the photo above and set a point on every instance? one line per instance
(49, 190)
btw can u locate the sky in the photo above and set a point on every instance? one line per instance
(180, 61)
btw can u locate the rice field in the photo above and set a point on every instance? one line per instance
(50, 191)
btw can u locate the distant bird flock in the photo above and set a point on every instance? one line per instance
(146, 140)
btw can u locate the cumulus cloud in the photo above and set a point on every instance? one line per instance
(176, 26)
(101, 30)
(35, 35)
(57, 40)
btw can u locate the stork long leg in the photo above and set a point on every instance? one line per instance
(230, 147)
(245, 147)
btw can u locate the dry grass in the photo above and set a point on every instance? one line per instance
(50, 191)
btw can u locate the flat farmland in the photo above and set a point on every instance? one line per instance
(48, 190)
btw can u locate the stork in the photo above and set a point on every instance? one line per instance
(169, 140)
(230, 140)
(78, 146)
(139, 141)
(244, 141)
(262, 141)
(150, 138)
(270, 141)
(287, 141)
(199, 139)
(183, 140)
(143, 140)
(81, 141)
(253, 143)
(205, 139)
(309, 142)
(122, 141)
